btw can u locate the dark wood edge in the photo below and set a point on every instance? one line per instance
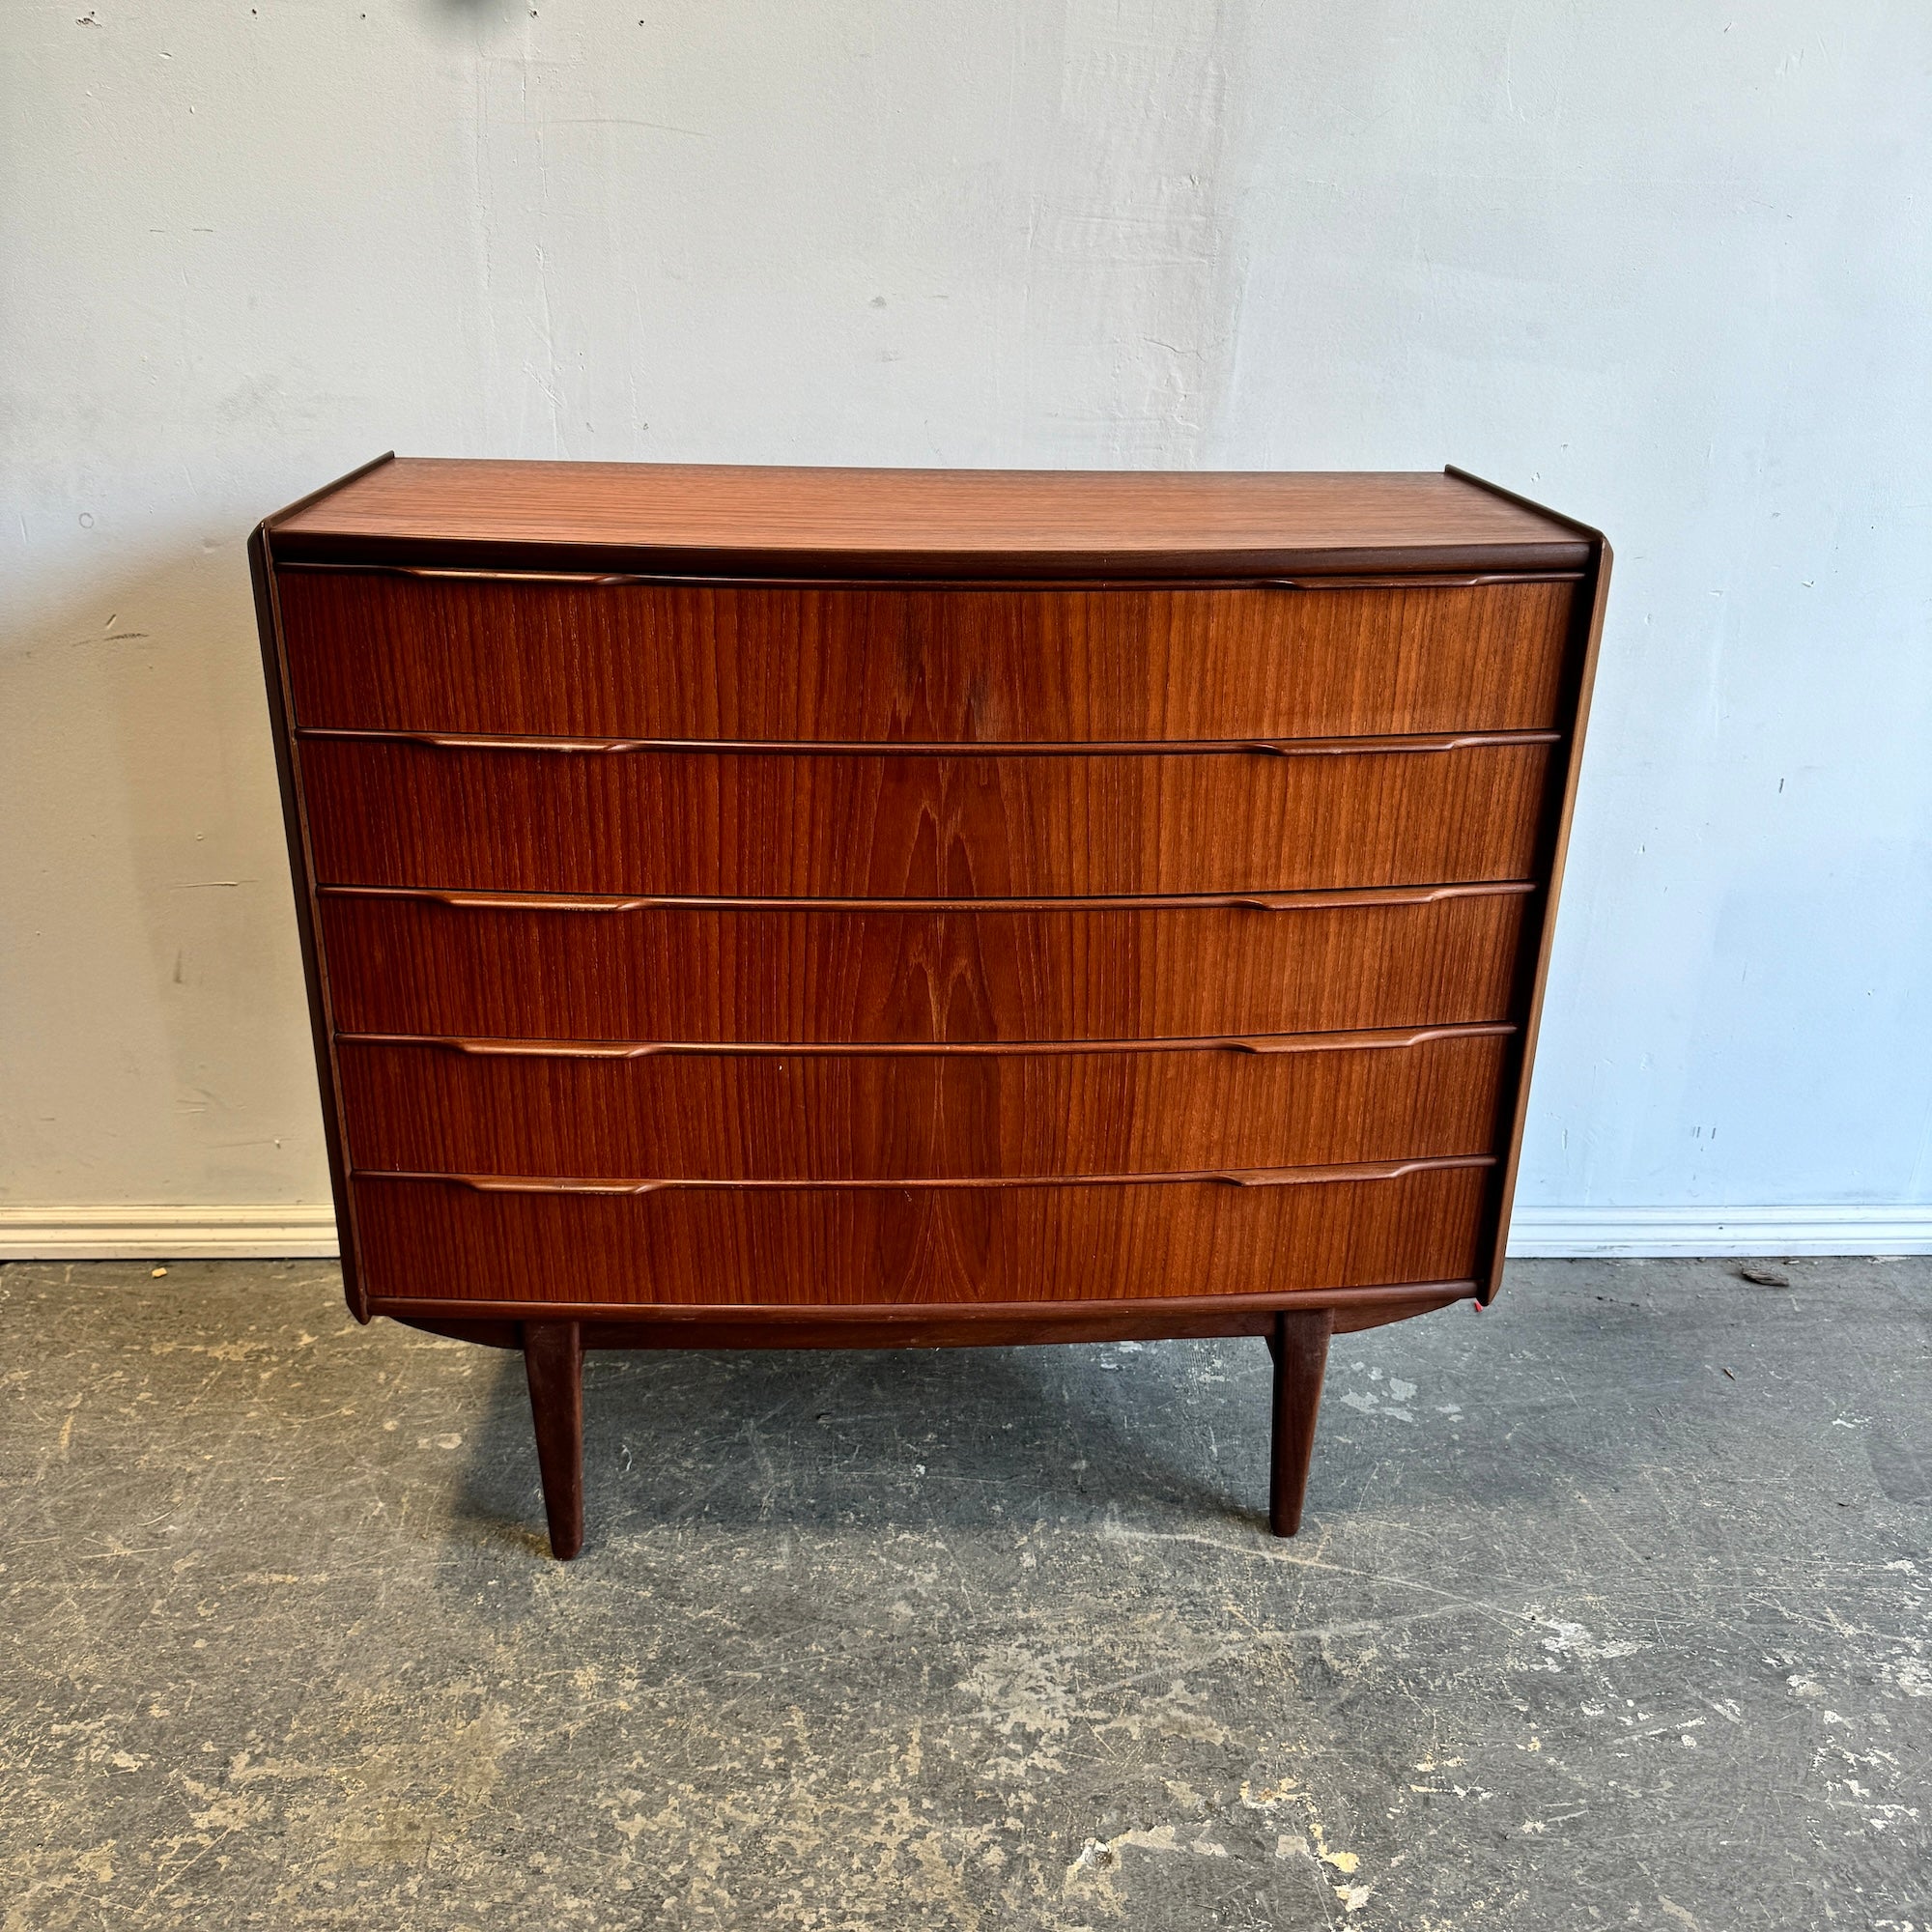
(937, 1325)
(1353, 1172)
(314, 497)
(1317, 901)
(966, 568)
(957, 750)
(1552, 849)
(301, 869)
(1262, 1046)
(357, 552)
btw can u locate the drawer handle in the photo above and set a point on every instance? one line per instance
(1297, 1176)
(545, 1049)
(522, 902)
(1357, 748)
(1274, 1043)
(1317, 901)
(1372, 896)
(452, 741)
(1264, 1044)
(1258, 1177)
(955, 751)
(1419, 580)
(460, 576)
(495, 1183)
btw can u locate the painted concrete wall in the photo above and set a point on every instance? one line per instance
(1665, 265)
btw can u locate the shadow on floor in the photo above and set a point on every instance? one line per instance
(814, 1438)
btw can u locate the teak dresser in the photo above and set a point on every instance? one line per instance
(805, 908)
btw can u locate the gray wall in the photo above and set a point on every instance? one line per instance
(1666, 266)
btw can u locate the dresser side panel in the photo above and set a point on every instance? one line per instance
(315, 974)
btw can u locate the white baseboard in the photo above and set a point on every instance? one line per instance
(1572, 1233)
(273, 1233)
(141, 1232)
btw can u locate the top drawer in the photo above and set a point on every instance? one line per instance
(391, 650)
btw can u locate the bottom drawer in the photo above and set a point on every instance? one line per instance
(445, 1240)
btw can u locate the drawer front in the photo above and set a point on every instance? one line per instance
(391, 651)
(613, 1112)
(390, 811)
(449, 965)
(690, 1246)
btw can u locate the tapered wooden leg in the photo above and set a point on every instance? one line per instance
(553, 1362)
(1300, 1345)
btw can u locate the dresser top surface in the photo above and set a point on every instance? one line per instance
(920, 522)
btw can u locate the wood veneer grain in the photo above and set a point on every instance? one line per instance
(913, 521)
(397, 812)
(379, 651)
(422, 1106)
(418, 964)
(1084, 1241)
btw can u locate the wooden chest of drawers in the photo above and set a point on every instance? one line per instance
(803, 908)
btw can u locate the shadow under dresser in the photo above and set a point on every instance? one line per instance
(805, 908)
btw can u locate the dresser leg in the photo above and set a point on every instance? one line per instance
(553, 1361)
(1300, 1345)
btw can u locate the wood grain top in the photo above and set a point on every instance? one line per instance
(683, 519)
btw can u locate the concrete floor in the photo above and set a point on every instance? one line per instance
(1615, 1609)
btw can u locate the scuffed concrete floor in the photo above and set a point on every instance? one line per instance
(1613, 1609)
